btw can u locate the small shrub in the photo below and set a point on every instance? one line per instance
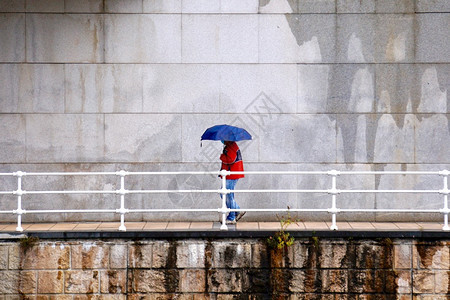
(282, 239)
(28, 242)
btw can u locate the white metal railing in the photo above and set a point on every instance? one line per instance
(223, 210)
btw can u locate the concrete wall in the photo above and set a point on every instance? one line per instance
(224, 269)
(110, 85)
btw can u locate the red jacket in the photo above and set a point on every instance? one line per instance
(232, 160)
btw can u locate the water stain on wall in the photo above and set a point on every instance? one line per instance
(171, 275)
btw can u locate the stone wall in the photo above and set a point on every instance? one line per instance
(232, 268)
(104, 85)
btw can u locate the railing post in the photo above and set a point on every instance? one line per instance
(122, 193)
(19, 194)
(223, 193)
(445, 192)
(333, 192)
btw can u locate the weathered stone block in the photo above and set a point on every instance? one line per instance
(181, 88)
(231, 255)
(161, 253)
(220, 39)
(258, 89)
(433, 256)
(275, 7)
(369, 281)
(155, 138)
(118, 256)
(395, 38)
(12, 138)
(41, 89)
(403, 256)
(423, 281)
(145, 281)
(140, 255)
(50, 282)
(224, 282)
(12, 42)
(113, 281)
(81, 282)
(237, 6)
(192, 281)
(27, 282)
(90, 255)
(432, 134)
(307, 138)
(370, 256)
(351, 88)
(14, 257)
(316, 6)
(367, 138)
(386, 6)
(281, 258)
(12, 6)
(134, 38)
(4, 257)
(313, 88)
(103, 88)
(161, 6)
(256, 281)
(431, 44)
(334, 281)
(259, 256)
(432, 6)
(442, 281)
(304, 255)
(12, 282)
(297, 38)
(59, 297)
(40, 6)
(397, 88)
(64, 38)
(83, 6)
(356, 37)
(9, 282)
(434, 297)
(300, 281)
(355, 6)
(433, 88)
(403, 281)
(120, 6)
(333, 256)
(64, 138)
(9, 91)
(216, 6)
(394, 139)
(45, 256)
(32, 88)
(190, 255)
(193, 6)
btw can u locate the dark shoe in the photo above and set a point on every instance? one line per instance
(240, 215)
(231, 222)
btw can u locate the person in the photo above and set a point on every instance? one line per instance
(232, 161)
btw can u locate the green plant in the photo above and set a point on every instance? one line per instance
(28, 242)
(282, 238)
(315, 241)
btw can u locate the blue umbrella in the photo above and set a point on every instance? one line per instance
(226, 133)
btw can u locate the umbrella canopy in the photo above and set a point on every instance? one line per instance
(226, 133)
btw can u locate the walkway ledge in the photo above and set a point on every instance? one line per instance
(81, 230)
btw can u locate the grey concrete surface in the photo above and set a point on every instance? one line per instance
(324, 84)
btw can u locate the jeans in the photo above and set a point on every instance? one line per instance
(231, 203)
